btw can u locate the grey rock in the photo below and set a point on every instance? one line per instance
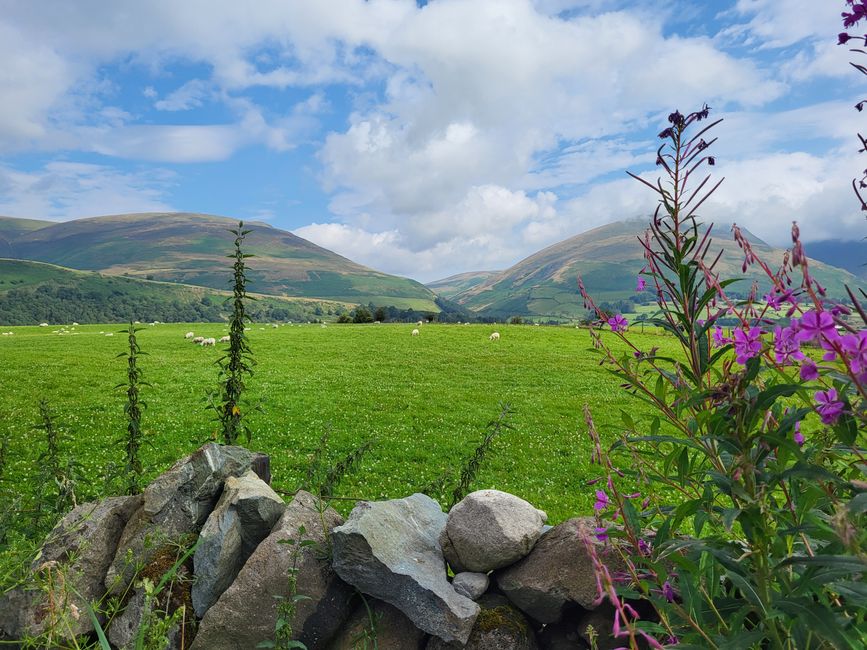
(390, 628)
(471, 585)
(499, 626)
(177, 503)
(557, 572)
(13, 607)
(75, 556)
(490, 529)
(243, 517)
(246, 613)
(390, 550)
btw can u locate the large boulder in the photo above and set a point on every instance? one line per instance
(375, 620)
(73, 560)
(246, 613)
(490, 529)
(558, 571)
(390, 550)
(243, 517)
(499, 626)
(177, 503)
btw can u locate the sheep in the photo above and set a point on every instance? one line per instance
(415, 332)
(199, 339)
(43, 324)
(420, 323)
(494, 336)
(210, 341)
(225, 339)
(110, 334)
(74, 324)
(189, 335)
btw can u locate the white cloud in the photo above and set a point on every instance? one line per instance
(191, 95)
(65, 190)
(779, 24)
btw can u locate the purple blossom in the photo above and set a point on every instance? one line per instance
(748, 344)
(719, 338)
(668, 591)
(786, 346)
(809, 370)
(798, 436)
(816, 325)
(601, 501)
(855, 346)
(830, 408)
(601, 533)
(640, 284)
(618, 323)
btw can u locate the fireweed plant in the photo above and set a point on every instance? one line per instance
(857, 11)
(747, 528)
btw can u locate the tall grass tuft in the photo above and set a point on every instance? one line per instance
(57, 477)
(133, 410)
(471, 465)
(238, 361)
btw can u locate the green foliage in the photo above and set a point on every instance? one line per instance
(56, 478)
(133, 409)
(746, 538)
(238, 361)
(470, 466)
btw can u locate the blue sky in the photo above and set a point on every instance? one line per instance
(423, 139)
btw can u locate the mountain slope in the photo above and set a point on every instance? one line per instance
(11, 229)
(456, 284)
(608, 259)
(33, 292)
(849, 255)
(192, 248)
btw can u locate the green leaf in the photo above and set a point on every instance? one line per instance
(820, 620)
(858, 504)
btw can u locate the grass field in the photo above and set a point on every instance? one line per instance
(425, 400)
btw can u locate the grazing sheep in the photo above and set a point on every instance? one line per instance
(415, 332)
(494, 337)
(110, 334)
(274, 325)
(74, 324)
(420, 323)
(199, 339)
(43, 324)
(211, 341)
(189, 335)
(225, 339)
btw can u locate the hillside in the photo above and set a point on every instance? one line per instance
(192, 248)
(456, 284)
(35, 292)
(849, 255)
(11, 229)
(608, 259)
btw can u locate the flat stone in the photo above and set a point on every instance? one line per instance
(242, 518)
(177, 503)
(490, 529)
(471, 585)
(390, 550)
(557, 572)
(246, 613)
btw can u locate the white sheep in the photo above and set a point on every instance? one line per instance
(495, 336)
(225, 339)
(199, 339)
(189, 335)
(110, 334)
(420, 323)
(74, 324)
(415, 332)
(43, 324)
(210, 341)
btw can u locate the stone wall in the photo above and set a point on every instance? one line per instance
(399, 574)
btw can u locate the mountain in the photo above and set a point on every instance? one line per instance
(191, 248)
(11, 229)
(34, 292)
(849, 255)
(456, 284)
(608, 259)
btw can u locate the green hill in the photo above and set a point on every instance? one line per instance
(457, 284)
(608, 259)
(35, 292)
(191, 249)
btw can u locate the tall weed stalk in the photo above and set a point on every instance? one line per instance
(133, 411)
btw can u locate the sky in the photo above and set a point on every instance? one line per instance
(425, 138)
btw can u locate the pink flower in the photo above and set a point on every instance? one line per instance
(601, 533)
(601, 501)
(640, 284)
(855, 346)
(786, 346)
(809, 370)
(816, 325)
(799, 437)
(618, 323)
(668, 591)
(830, 408)
(719, 337)
(748, 344)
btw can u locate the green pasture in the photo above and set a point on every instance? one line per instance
(425, 400)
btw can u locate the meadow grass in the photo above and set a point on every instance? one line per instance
(425, 400)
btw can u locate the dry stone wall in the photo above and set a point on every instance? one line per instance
(396, 575)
